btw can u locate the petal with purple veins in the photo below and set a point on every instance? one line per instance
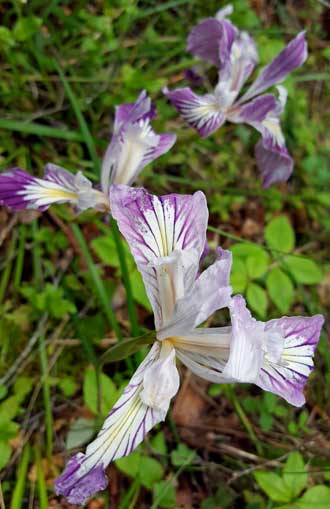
(210, 292)
(167, 236)
(289, 59)
(134, 143)
(123, 430)
(286, 374)
(20, 190)
(204, 113)
(246, 345)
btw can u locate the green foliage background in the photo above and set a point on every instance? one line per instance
(54, 323)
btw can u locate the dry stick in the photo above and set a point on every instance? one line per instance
(269, 463)
(2, 502)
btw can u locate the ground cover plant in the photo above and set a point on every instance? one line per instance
(70, 289)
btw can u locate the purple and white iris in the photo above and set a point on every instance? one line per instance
(134, 144)
(167, 236)
(218, 41)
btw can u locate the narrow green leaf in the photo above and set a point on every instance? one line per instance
(40, 130)
(280, 235)
(127, 347)
(19, 489)
(98, 283)
(280, 289)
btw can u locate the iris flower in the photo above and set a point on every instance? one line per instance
(235, 54)
(134, 144)
(167, 237)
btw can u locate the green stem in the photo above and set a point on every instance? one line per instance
(20, 257)
(244, 419)
(46, 396)
(98, 283)
(131, 494)
(7, 270)
(126, 279)
(38, 281)
(17, 499)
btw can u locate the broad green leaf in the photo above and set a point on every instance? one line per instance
(68, 386)
(223, 498)
(130, 465)
(5, 453)
(294, 473)
(317, 497)
(3, 391)
(81, 431)
(280, 289)
(150, 471)
(245, 249)
(238, 276)
(257, 264)
(164, 494)
(127, 347)
(182, 455)
(273, 485)
(22, 387)
(8, 409)
(257, 299)
(108, 392)
(105, 249)
(265, 421)
(280, 235)
(158, 443)
(303, 270)
(138, 289)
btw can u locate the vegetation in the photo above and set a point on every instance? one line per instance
(64, 68)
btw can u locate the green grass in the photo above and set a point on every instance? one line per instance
(64, 68)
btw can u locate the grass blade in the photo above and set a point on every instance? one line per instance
(82, 122)
(20, 257)
(88, 138)
(41, 483)
(38, 281)
(17, 499)
(40, 130)
(124, 273)
(98, 283)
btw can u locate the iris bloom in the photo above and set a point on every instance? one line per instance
(235, 54)
(167, 236)
(134, 144)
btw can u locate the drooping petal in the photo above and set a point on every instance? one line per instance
(134, 143)
(204, 113)
(289, 59)
(155, 228)
(246, 345)
(210, 292)
(274, 162)
(19, 190)
(286, 368)
(161, 380)
(123, 430)
(254, 111)
(211, 40)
